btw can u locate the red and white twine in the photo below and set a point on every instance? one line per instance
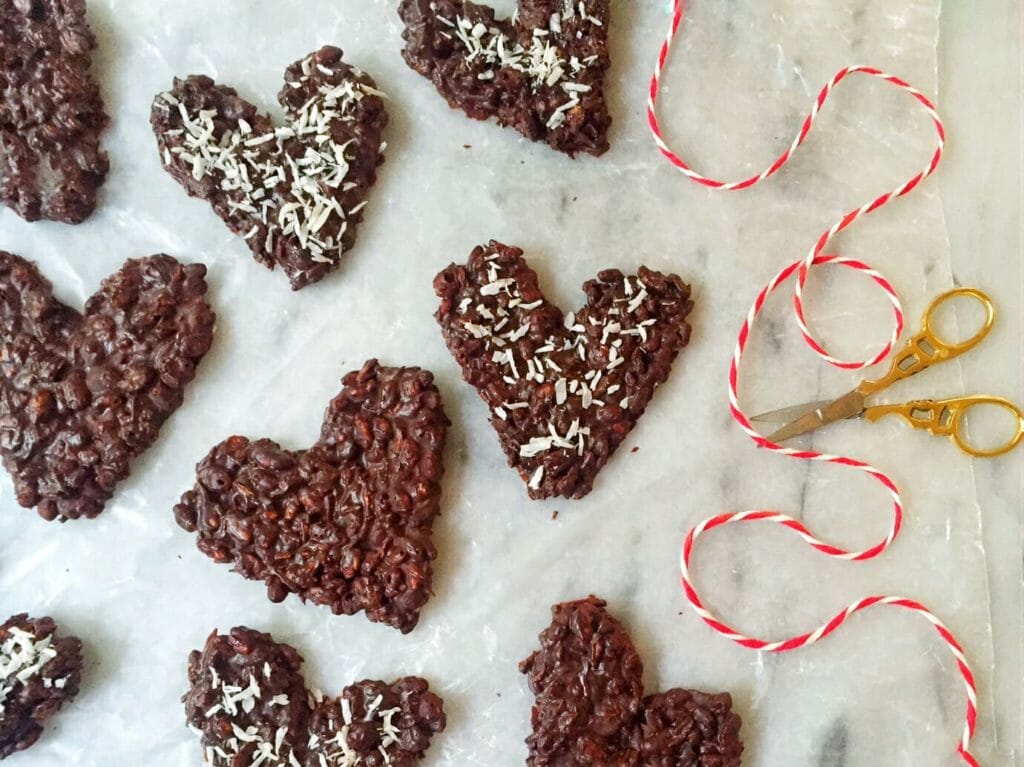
(802, 269)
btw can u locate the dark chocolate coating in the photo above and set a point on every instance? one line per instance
(419, 716)
(81, 395)
(641, 362)
(26, 705)
(245, 681)
(510, 95)
(685, 728)
(51, 113)
(588, 681)
(238, 660)
(346, 523)
(363, 126)
(590, 710)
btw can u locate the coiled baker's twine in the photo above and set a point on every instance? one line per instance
(802, 269)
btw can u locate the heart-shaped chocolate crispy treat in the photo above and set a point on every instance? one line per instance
(590, 709)
(82, 394)
(346, 523)
(39, 673)
(295, 193)
(564, 391)
(51, 113)
(250, 704)
(541, 72)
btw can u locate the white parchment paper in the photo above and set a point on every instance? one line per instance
(133, 586)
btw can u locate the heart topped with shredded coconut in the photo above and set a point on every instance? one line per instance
(564, 390)
(541, 72)
(294, 192)
(249, 703)
(39, 673)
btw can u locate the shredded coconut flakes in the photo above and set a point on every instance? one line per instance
(543, 61)
(260, 179)
(22, 657)
(334, 752)
(489, 323)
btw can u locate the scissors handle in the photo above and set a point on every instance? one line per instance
(927, 348)
(947, 418)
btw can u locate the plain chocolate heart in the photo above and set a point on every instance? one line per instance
(564, 390)
(51, 112)
(588, 681)
(346, 523)
(82, 394)
(541, 72)
(294, 192)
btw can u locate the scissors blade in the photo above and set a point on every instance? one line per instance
(847, 406)
(787, 414)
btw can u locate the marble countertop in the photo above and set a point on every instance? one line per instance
(980, 87)
(882, 691)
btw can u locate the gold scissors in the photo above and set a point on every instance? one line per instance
(943, 418)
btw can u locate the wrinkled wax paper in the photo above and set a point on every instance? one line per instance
(882, 691)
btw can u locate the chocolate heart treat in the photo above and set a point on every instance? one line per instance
(590, 709)
(346, 523)
(39, 673)
(564, 391)
(51, 113)
(541, 72)
(587, 676)
(294, 193)
(82, 394)
(685, 728)
(250, 704)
